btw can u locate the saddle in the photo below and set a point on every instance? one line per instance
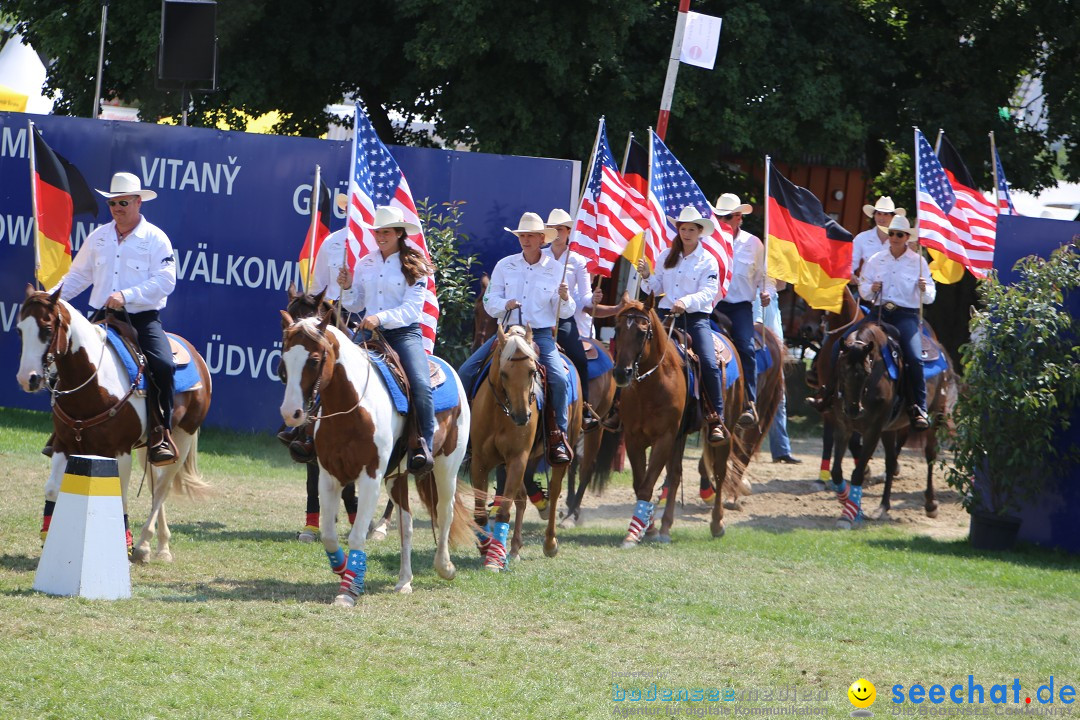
(122, 336)
(379, 348)
(180, 354)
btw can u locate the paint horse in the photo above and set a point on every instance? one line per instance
(360, 438)
(97, 409)
(870, 401)
(657, 413)
(506, 431)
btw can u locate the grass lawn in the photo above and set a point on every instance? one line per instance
(240, 625)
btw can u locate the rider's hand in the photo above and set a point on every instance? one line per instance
(564, 292)
(678, 308)
(344, 278)
(371, 322)
(922, 284)
(876, 287)
(597, 297)
(643, 269)
(115, 301)
(512, 305)
(766, 298)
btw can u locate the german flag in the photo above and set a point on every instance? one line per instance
(807, 248)
(317, 231)
(636, 174)
(60, 191)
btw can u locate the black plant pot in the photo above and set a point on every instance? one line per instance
(990, 531)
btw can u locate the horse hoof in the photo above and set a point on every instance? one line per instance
(139, 556)
(345, 600)
(931, 512)
(629, 544)
(843, 524)
(732, 505)
(882, 514)
(307, 535)
(568, 523)
(449, 572)
(651, 532)
(377, 533)
(405, 589)
(164, 556)
(718, 532)
(663, 539)
(493, 567)
(551, 550)
(744, 487)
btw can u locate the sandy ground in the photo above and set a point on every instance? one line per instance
(787, 496)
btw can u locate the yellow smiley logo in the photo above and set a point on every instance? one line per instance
(862, 693)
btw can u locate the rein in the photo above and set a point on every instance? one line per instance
(312, 401)
(504, 401)
(638, 377)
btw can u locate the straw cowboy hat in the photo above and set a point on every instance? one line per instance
(901, 224)
(558, 216)
(532, 223)
(392, 217)
(729, 203)
(884, 204)
(126, 184)
(690, 214)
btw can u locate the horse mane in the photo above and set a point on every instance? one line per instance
(515, 342)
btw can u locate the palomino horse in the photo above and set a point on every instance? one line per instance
(506, 431)
(96, 410)
(359, 439)
(872, 404)
(655, 414)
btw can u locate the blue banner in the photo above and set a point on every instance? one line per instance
(235, 206)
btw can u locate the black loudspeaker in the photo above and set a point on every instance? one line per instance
(187, 55)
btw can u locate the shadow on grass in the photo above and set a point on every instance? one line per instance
(276, 590)
(218, 532)
(19, 563)
(32, 420)
(1024, 554)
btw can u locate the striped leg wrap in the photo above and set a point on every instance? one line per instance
(337, 561)
(127, 536)
(824, 475)
(663, 498)
(538, 499)
(483, 537)
(707, 493)
(642, 518)
(46, 518)
(496, 551)
(850, 498)
(352, 580)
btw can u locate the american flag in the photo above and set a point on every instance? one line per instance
(1004, 198)
(611, 212)
(956, 220)
(670, 190)
(377, 181)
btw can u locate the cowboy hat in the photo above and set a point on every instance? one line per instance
(729, 203)
(558, 216)
(392, 217)
(884, 204)
(532, 223)
(126, 184)
(690, 214)
(902, 224)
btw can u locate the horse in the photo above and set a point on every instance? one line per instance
(870, 403)
(505, 431)
(655, 413)
(359, 439)
(96, 410)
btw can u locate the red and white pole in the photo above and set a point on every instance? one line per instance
(672, 70)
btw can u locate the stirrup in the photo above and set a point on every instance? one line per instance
(164, 451)
(717, 434)
(919, 419)
(612, 421)
(558, 452)
(421, 462)
(749, 416)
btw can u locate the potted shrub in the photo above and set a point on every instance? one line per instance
(1020, 386)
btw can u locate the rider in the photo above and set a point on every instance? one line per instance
(390, 286)
(131, 265)
(897, 280)
(747, 283)
(688, 277)
(569, 335)
(529, 283)
(870, 242)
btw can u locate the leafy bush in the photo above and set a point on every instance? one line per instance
(453, 278)
(1022, 376)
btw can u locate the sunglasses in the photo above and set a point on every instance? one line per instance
(897, 234)
(121, 203)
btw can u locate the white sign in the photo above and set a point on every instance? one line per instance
(701, 40)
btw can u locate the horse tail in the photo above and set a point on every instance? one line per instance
(463, 529)
(605, 459)
(189, 480)
(770, 392)
(735, 480)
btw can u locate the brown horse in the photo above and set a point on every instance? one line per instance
(97, 411)
(872, 404)
(505, 431)
(656, 414)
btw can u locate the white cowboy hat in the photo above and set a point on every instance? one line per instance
(392, 217)
(127, 184)
(558, 216)
(729, 203)
(884, 204)
(690, 214)
(901, 224)
(530, 222)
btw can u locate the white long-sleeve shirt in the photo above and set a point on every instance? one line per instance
(535, 286)
(328, 262)
(899, 278)
(580, 285)
(694, 280)
(748, 269)
(380, 289)
(142, 267)
(866, 245)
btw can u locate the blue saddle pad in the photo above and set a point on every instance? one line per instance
(933, 368)
(185, 377)
(571, 396)
(732, 374)
(890, 364)
(603, 362)
(444, 395)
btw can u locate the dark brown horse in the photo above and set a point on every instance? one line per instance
(869, 402)
(97, 411)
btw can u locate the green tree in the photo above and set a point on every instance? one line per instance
(453, 279)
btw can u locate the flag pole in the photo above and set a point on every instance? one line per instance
(997, 180)
(626, 153)
(311, 230)
(765, 273)
(673, 69)
(592, 164)
(34, 207)
(937, 146)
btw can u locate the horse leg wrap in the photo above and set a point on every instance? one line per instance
(337, 561)
(483, 538)
(538, 499)
(352, 580)
(850, 502)
(663, 498)
(46, 518)
(127, 536)
(496, 551)
(642, 518)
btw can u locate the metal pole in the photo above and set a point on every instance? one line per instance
(96, 110)
(997, 180)
(673, 69)
(314, 203)
(183, 106)
(765, 269)
(34, 205)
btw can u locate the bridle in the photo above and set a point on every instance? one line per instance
(504, 401)
(313, 400)
(634, 316)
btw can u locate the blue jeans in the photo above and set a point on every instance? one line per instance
(699, 327)
(906, 321)
(408, 343)
(570, 340)
(741, 315)
(549, 356)
(779, 442)
(159, 362)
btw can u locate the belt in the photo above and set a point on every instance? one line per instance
(893, 307)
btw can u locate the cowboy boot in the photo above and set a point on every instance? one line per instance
(421, 461)
(302, 449)
(47, 451)
(161, 448)
(717, 434)
(749, 417)
(590, 421)
(612, 422)
(919, 419)
(558, 451)
(822, 401)
(288, 434)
